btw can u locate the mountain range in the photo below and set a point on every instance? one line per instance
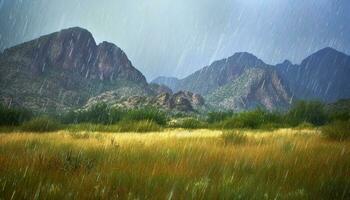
(243, 81)
(67, 70)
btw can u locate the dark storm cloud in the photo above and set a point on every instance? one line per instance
(166, 37)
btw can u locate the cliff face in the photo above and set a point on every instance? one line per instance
(63, 70)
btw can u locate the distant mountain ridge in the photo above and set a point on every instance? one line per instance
(323, 76)
(239, 82)
(229, 83)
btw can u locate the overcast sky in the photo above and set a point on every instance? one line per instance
(177, 37)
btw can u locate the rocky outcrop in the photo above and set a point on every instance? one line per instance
(180, 101)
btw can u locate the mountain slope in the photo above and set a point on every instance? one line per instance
(239, 82)
(63, 70)
(322, 76)
(219, 73)
(256, 87)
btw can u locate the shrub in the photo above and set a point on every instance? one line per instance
(311, 112)
(214, 117)
(339, 130)
(339, 116)
(252, 119)
(147, 114)
(234, 137)
(41, 124)
(97, 114)
(13, 116)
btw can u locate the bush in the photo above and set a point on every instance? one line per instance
(339, 116)
(138, 126)
(234, 137)
(252, 120)
(147, 114)
(311, 112)
(41, 124)
(97, 114)
(13, 116)
(215, 117)
(339, 130)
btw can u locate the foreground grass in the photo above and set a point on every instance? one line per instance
(174, 164)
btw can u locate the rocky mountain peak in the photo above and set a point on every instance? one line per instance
(286, 63)
(327, 55)
(75, 50)
(321, 76)
(64, 68)
(247, 59)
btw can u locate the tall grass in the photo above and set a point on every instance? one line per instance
(173, 165)
(234, 137)
(123, 126)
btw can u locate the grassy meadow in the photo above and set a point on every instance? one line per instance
(174, 164)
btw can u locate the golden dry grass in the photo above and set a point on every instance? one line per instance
(174, 164)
